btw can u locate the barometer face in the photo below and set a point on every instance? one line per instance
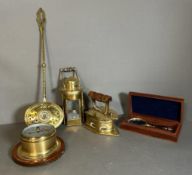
(44, 112)
(38, 130)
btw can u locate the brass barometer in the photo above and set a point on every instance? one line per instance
(43, 112)
(38, 145)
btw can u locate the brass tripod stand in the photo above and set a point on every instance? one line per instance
(43, 112)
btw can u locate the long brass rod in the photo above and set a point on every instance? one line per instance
(41, 20)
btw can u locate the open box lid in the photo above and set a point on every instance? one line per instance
(163, 107)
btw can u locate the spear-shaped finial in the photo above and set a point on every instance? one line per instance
(41, 19)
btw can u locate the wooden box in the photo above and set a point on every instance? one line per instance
(160, 111)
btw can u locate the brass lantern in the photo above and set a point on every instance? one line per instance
(72, 96)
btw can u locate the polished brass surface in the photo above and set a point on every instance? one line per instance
(38, 139)
(70, 83)
(22, 158)
(100, 119)
(37, 143)
(141, 122)
(71, 92)
(43, 112)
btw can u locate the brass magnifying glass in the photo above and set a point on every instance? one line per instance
(43, 112)
(142, 122)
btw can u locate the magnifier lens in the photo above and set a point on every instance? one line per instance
(137, 121)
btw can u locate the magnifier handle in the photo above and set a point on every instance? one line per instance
(160, 127)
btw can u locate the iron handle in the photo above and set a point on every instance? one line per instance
(95, 96)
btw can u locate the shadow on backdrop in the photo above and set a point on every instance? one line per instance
(123, 97)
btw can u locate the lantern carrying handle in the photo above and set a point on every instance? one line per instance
(95, 96)
(64, 71)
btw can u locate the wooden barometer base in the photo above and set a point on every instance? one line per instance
(21, 158)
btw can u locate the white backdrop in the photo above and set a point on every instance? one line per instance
(117, 45)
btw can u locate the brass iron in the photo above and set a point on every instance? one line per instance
(43, 112)
(100, 119)
(72, 96)
(141, 122)
(38, 145)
